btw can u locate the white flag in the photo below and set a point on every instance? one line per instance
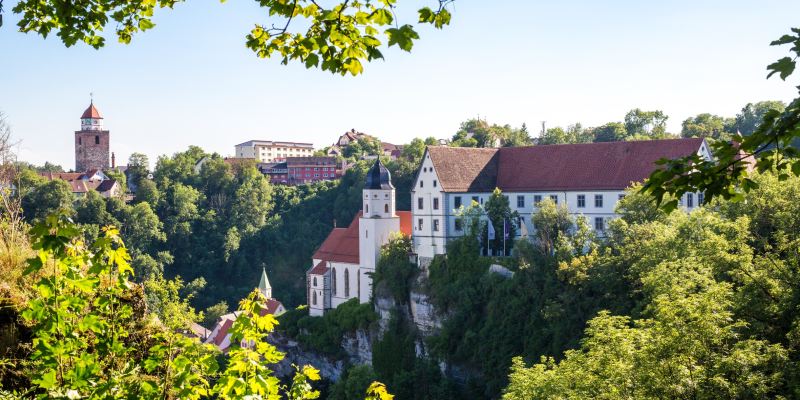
(523, 229)
(491, 230)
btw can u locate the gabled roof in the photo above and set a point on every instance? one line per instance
(588, 166)
(463, 169)
(271, 307)
(341, 245)
(106, 185)
(608, 165)
(91, 112)
(223, 331)
(320, 269)
(67, 176)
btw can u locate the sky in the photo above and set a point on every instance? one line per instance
(192, 81)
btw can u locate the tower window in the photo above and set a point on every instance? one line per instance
(333, 281)
(79, 141)
(366, 208)
(97, 140)
(386, 208)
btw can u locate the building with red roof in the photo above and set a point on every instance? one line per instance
(220, 336)
(342, 266)
(589, 179)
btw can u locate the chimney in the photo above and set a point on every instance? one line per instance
(113, 161)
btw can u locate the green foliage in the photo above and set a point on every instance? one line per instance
(646, 124)
(338, 38)
(708, 126)
(395, 271)
(498, 210)
(610, 132)
(324, 334)
(478, 133)
(47, 198)
(353, 384)
(89, 341)
(573, 134)
(769, 137)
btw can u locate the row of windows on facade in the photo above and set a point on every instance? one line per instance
(309, 175)
(385, 208)
(96, 140)
(309, 169)
(599, 224)
(598, 201)
(334, 287)
(269, 149)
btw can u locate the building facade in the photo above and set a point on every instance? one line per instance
(92, 142)
(302, 170)
(268, 151)
(342, 267)
(589, 179)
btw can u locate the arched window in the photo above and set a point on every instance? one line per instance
(315, 281)
(386, 208)
(366, 208)
(346, 283)
(333, 281)
(314, 298)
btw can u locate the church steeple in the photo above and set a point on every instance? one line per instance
(378, 192)
(264, 286)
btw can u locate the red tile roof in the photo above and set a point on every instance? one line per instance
(91, 112)
(341, 245)
(597, 166)
(67, 176)
(462, 169)
(223, 331)
(320, 269)
(271, 307)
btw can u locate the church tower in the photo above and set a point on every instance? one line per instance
(378, 221)
(91, 142)
(263, 286)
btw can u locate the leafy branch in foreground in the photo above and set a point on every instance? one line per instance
(81, 324)
(340, 36)
(772, 147)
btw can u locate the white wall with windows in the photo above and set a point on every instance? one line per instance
(430, 218)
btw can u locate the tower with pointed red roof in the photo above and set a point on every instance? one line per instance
(92, 142)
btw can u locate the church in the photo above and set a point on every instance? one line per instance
(343, 265)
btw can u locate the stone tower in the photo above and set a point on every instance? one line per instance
(91, 142)
(378, 221)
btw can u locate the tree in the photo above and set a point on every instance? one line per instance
(49, 167)
(770, 147)
(610, 132)
(646, 124)
(138, 167)
(751, 116)
(574, 133)
(47, 198)
(503, 220)
(337, 38)
(707, 125)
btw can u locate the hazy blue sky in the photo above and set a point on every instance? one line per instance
(191, 80)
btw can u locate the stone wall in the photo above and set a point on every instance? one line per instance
(88, 153)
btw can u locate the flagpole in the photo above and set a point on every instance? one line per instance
(504, 237)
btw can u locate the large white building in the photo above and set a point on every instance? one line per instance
(343, 265)
(588, 178)
(268, 151)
